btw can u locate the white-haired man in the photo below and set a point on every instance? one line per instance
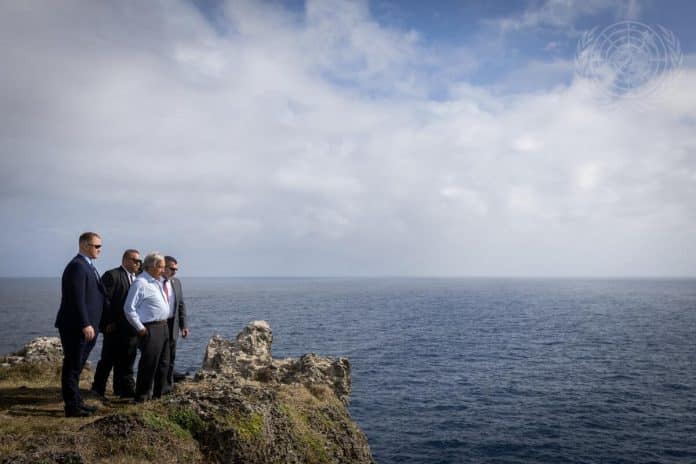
(147, 310)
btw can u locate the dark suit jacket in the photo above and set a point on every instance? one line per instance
(116, 284)
(179, 307)
(82, 297)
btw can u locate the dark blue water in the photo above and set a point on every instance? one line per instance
(466, 370)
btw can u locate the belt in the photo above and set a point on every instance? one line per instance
(149, 324)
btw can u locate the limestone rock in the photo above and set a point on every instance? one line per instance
(242, 406)
(249, 357)
(235, 420)
(38, 351)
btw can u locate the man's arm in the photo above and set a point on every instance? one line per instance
(134, 297)
(182, 312)
(76, 279)
(108, 316)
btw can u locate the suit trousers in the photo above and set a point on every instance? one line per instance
(124, 360)
(106, 362)
(154, 361)
(119, 349)
(75, 353)
(172, 326)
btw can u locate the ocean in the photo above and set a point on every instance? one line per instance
(464, 370)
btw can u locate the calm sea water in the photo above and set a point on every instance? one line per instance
(465, 370)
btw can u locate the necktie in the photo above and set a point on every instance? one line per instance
(96, 273)
(166, 290)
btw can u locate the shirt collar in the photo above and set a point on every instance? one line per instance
(89, 260)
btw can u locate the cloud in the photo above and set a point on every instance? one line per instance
(563, 14)
(306, 143)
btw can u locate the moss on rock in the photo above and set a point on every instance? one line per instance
(220, 418)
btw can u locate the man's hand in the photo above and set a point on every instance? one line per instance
(185, 332)
(142, 332)
(88, 332)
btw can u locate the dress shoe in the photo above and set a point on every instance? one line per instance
(95, 395)
(77, 412)
(88, 408)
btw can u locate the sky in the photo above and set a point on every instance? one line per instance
(335, 138)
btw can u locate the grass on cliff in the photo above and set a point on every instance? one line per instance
(29, 374)
(313, 414)
(33, 427)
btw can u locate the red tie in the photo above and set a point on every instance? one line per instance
(166, 290)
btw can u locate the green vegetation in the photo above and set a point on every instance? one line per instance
(33, 427)
(299, 410)
(199, 423)
(249, 427)
(187, 419)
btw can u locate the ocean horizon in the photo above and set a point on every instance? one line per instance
(473, 369)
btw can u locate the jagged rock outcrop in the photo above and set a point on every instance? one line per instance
(242, 407)
(41, 350)
(256, 409)
(249, 357)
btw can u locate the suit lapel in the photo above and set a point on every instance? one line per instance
(92, 271)
(175, 291)
(125, 278)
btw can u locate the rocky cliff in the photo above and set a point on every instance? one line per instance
(242, 406)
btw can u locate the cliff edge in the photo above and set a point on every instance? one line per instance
(242, 406)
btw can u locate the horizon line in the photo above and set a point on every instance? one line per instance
(406, 276)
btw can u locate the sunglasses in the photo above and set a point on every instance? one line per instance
(95, 246)
(173, 269)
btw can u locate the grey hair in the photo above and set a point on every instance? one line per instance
(152, 259)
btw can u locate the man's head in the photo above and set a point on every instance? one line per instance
(154, 264)
(90, 244)
(131, 261)
(170, 266)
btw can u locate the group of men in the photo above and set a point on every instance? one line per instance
(137, 306)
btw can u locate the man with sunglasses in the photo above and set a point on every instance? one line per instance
(177, 314)
(120, 341)
(82, 301)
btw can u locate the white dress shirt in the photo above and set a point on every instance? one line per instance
(145, 302)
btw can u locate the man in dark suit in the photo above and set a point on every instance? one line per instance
(120, 341)
(177, 314)
(82, 301)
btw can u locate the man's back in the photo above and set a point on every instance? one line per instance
(82, 297)
(116, 284)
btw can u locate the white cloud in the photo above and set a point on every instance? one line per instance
(563, 14)
(305, 144)
(587, 176)
(527, 143)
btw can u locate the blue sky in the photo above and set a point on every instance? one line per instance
(345, 138)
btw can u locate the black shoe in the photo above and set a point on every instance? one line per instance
(88, 408)
(127, 394)
(77, 412)
(92, 393)
(96, 395)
